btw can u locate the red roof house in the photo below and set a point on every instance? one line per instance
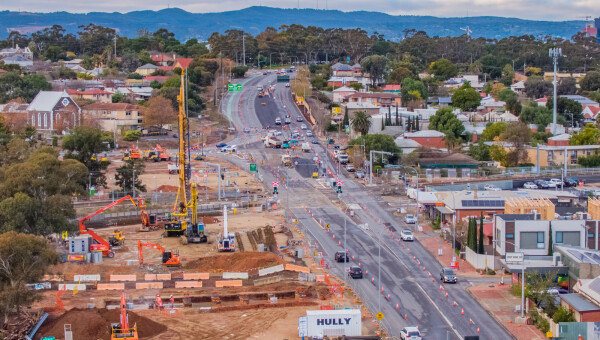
(183, 63)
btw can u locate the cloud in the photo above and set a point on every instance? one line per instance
(527, 9)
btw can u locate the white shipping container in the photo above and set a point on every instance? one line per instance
(321, 323)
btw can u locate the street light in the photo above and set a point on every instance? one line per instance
(522, 277)
(415, 170)
(270, 60)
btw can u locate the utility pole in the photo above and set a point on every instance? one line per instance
(554, 53)
(244, 47)
(371, 162)
(133, 182)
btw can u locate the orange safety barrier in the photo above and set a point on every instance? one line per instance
(188, 284)
(294, 268)
(149, 277)
(131, 278)
(233, 283)
(110, 286)
(195, 276)
(163, 277)
(149, 285)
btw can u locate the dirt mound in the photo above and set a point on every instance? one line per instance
(69, 269)
(95, 324)
(167, 188)
(235, 262)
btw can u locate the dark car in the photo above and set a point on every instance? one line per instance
(355, 272)
(220, 145)
(570, 183)
(447, 275)
(199, 157)
(541, 184)
(341, 255)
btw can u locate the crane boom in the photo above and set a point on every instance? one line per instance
(183, 181)
(103, 209)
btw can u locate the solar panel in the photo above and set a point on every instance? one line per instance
(466, 203)
(595, 285)
(579, 256)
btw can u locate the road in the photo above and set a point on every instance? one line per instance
(419, 300)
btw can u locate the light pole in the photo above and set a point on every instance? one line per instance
(554, 53)
(371, 161)
(522, 276)
(415, 170)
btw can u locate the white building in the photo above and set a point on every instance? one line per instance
(340, 94)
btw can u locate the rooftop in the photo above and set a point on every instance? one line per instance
(46, 100)
(374, 95)
(111, 106)
(423, 134)
(561, 137)
(148, 66)
(581, 99)
(578, 302)
(344, 89)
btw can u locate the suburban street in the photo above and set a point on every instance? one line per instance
(404, 276)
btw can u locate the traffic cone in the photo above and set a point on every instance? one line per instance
(367, 272)
(477, 329)
(446, 294)
(409, 250)
(397, 306)
(432, 279)
(462, 311)
(339, 243)
(454, 304)
(373, 279)
(382, 289)
(352, 257)
(423, 268)
(414, 258)
(405, 316)
(441, 288)
(359, 263)
(334, 236)
(389, 297)
(470, 321)
(418, 263)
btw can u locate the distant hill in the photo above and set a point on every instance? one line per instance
(254, 20)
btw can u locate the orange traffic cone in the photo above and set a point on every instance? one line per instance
(446, 294)
(397, 306)
(405, 316)
(382, 289)
(441, 288)
(454, 304)
(462, 311)
(339, 243)
(470, 321)
(477, 329)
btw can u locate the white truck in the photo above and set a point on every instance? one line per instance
(342, 158)
(306, 147)
(286, 160)
(272, 142)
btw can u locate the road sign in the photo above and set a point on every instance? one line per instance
(379, 316)
(339, 183)
(253, 167)
(275, 183)
(336, 110)
(514, 257)
(231, 87)
(238, 87)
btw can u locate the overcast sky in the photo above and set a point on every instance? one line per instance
(529, 9)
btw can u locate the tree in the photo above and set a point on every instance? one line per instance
(446, 121)
(537, 87)
(13, 86)
(535, 114)
(119, 98)
(375, 66)
(125, 176)
(378, 142)
(566, 86)
(158, 112)
(569, 109)
(410, 85)
(591, 81)
(518, 135)
(563, 314)
(23, 259)
(493, 131)
(85, 144)
(398, 74)
(94, 38)
(590, 135)
(480, 151)
(239, 71)
(533, 71)
(550, 243)
(470, 233)
(466, 98)
(132, 135)
(361, 122)
(443, 69)
(507, 75)
(496, 89)
(346, 121)
(480, 249)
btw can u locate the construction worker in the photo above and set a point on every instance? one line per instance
(158, 302)
(172, 300)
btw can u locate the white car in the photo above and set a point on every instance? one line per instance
(407, 235)
(277, 121)
(246, 130)
(309, 133)
(530, 185)
(491, 187)
(299, 119)
(228, 148)
(410, 219)
(557, 182)
(410, 333)
(287, 84)
(303, 126)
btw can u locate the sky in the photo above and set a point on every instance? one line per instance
(555, 10)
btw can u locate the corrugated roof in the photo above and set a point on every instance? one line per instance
(46, 100)
(578, 302)
(111, 106)
(148, 66)
(424, 133)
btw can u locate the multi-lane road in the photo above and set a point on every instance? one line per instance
(409, 296)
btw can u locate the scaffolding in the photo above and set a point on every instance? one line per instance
(542, 206)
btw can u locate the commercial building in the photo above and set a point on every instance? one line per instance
(557, 155)
(114, 116)
(376, 98)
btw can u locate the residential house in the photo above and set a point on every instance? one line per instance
(590, 113)
(339, 81)
(76, 68)
(542, 101)
(95, 95)
(136, 92)
(429, 138)
(490, 104)
(183, 63)
(556, 155)
(53, 111)
(583, 309)
(340, 94)
(343, 70)
(392, 89)
(114, 116)
(581, 100)
(559, 140)
(376, 98)
(518, 87)
(14, 116)
(368, 108)
(457, 82)
(11, 51)
(18, 59)
(146, 70)
(406, 145)
(506, 117)
(475, 131)
(162, 59)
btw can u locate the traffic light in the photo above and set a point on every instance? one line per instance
(339, 189)
(274, 190)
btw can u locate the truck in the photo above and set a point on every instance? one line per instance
(286, 160)
(306, 147)
(283, 78)
(342, 158)
(173, 168)
(272, 142)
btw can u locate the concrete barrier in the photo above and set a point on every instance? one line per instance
(71, 286)
(295, 268)
(243, 276)
(130, 278)
(163, 277)
(188, 284)
(234, 283)
(267, 280)
(86, 278)
(195, 276)
(148, 285)
(149, 277)
(270, 270)
(110, 286)
(320, 278)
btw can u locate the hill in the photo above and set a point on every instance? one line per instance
(254, 20)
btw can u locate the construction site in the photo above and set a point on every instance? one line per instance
(204, 253)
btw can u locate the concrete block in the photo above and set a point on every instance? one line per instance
(195, 276)
(188, 284)
(270, 270)
(243, 276)
(233, 283)
(130, 278)
(86, 278)
(110, 286)
(71, 286)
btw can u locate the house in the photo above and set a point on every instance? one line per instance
(343, 70)
(590, 113)
(76, 68)
(340, 94)
(162, 59)
(114, 116)
(475, 131)
(542, 101)
(556, 155)
(146, 70)
(457, 82)
(407, 145)
(429, 138)
(14, 116)
(53, 111)
(183, 63)
(581, 100)
(392, 89)
(95, 95)
(559, 140)
(490, 104)
(367, 108)
(137, 92)
(583, 309)
(376, 98)
(518, 87)
(13, 51)
(339, 81)
(18, 59)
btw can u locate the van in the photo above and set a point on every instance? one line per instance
(259, 88)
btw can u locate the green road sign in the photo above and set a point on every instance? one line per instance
(231, 87)
(238, 87)
(253, 167)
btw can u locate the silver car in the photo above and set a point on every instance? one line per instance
(410, 219)
(407, 235)
(448, 275)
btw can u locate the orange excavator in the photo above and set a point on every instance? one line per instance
(169, 258)
(121, 330)
(149, 221)
(100, 244)
(163, 154)
(135, 153)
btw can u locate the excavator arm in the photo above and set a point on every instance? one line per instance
(169, 258)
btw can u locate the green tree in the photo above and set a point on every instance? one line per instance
(537, 87)
(566, 86)
(507, 75)
(590, 135)
(85, 144)
(378, 142)
(239, 71)
(446, 121)
(480, 249)
(443, 69)
(493, 131)
(125, 176)
(346, 121)
(570, 109)
(480, 151)
(23, 259)
(466, 98)
(535, 114)
(361, 122)
(13, 86)
(563, 314)
(591, 81)
(375, 66)
(409, 86)
(550, 243)
(119, 98)
(132, 135)
(94, 38)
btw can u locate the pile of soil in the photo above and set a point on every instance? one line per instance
(95, 324)
(69, 269)
(235, 262)
(167, 188)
